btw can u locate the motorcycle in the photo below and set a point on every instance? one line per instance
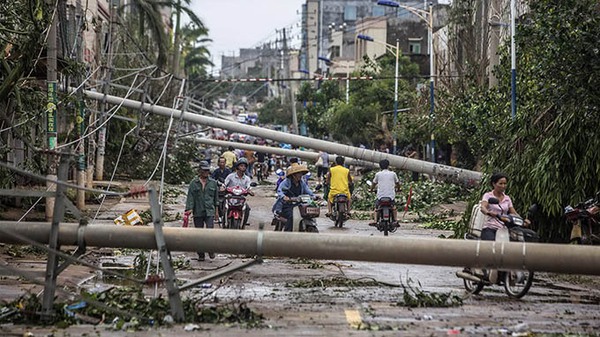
(340, 213)
(516, 282)
(306, 210)
(234, 209)
(585, 221)
(221, 207)
(261, 171)
(385, 216)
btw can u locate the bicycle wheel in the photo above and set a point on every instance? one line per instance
(517, 282)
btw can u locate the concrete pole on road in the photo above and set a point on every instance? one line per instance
(406, 250)
(404, 163)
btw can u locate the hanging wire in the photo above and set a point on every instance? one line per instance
(32, 206)
(112, 177)
(116, 108)
(159, 161)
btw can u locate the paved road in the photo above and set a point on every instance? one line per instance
(296, 298)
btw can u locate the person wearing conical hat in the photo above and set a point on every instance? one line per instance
(292, 186)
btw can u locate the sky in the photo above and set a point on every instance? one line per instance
(235, 24)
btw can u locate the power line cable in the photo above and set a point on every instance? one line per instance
(129, 93)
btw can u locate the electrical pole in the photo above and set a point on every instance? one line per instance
(52, 101)
(106, 86)
(290, 88)
(495, 24)
(80, 113)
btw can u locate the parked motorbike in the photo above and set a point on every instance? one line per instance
(385, 216)
(235, 207)
(516, 282)
(306, 210)
(585, 221)
(340, 213)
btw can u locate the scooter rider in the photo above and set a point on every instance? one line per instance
(239, 178)
(339, 180)
(492, 224)
(222, 171)
(292, 186)
(387, 183)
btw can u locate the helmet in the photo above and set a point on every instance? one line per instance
(280, 172)
(241, 161)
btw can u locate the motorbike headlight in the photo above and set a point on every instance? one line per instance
(518, 221)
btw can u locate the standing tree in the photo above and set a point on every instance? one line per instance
(549, 150)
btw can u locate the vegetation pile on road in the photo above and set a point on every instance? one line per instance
(126, 309)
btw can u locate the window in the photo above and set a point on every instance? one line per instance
(335, 51)
(349, 13)
(414, 47)
(378, 11)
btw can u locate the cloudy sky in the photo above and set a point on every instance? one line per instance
(236, 24)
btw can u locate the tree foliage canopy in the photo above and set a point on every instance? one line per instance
(549, 150)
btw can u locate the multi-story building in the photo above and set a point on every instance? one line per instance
(330, 28)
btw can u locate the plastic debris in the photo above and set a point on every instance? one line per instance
(191, 327)
(168, 319)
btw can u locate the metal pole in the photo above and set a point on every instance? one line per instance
(431, 84)
(396, 98)
(347, 81)
(513, 62)
(101, 148)
(405, 250)
(466, 176)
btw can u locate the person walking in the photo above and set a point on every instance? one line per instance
(202, 201)
(322, 165)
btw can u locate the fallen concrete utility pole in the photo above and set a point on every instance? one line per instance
(465, 176)
(569, 259)
(306, 155)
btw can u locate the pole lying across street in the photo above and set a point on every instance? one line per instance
(306, 155)
(404, 163)
(569, 259)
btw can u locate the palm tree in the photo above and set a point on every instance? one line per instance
(150, 17)
(194, 50)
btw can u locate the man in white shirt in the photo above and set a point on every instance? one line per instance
(239, 178)
(386, 182)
